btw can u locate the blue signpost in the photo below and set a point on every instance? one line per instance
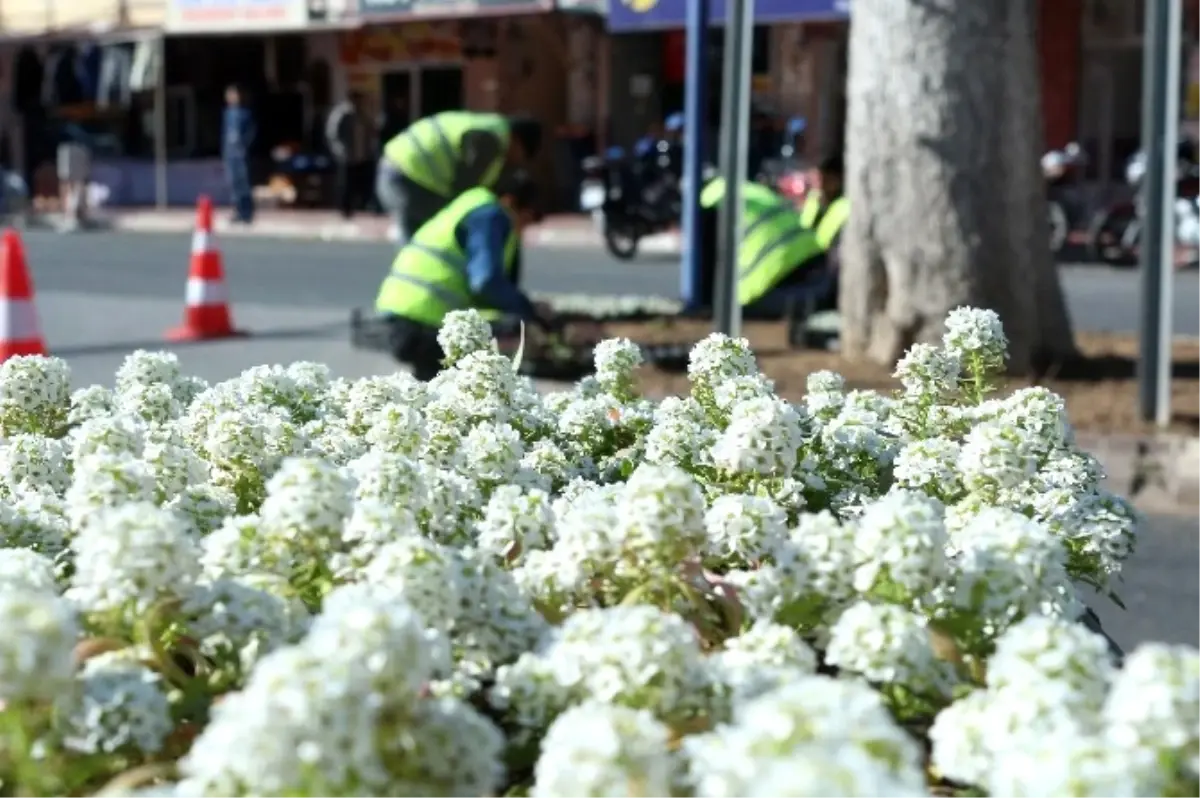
(695, 111)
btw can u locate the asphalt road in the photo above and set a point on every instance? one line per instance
(292, 273)
(102, 295)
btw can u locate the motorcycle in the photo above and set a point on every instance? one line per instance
(1060, 168)
(786, 172)
(1115, 233)
(631, 198)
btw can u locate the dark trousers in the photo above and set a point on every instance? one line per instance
(237, 170)
(417, 345)
(352, 186)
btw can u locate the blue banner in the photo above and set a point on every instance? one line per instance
(448, 8)
(635, 15)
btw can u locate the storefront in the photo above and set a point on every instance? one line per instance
(412, 58)
(798, 63)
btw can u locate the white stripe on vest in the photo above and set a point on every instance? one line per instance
(206, 292)
(19, 320)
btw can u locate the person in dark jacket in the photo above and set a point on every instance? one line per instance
(237, 137)
(348, 136)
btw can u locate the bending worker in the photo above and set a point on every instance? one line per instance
(439, 157)
(826, 197)
(779, 256)
(461, 258)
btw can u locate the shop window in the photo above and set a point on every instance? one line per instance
(1114, 21)
(181, 121)
(760, 57)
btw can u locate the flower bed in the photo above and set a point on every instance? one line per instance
(287, 584)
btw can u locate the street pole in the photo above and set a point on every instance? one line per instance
(735, 145)
(1160, 140)
(695, 111)
(160, 126)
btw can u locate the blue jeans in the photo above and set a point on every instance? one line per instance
(237, 170)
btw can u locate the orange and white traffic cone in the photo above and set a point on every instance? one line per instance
(20, 330)
(206, 313)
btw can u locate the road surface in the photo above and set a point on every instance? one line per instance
(295, 274)
(101, 295)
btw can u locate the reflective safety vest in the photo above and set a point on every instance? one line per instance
(831, 217)
(752, 192)
(429, 151)
(774, 243)
(429, 275)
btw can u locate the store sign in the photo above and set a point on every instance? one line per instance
(448, 8)
(633, 15)
(223, 16)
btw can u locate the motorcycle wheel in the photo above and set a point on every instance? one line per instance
(1058, 227)
(621, 243)
(1108, 236)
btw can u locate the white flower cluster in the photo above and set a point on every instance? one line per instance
(290, 584)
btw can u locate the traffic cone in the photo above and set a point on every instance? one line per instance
(20, 330)
(206, 313)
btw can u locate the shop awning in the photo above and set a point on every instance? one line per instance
(399, 10)
(626, 16)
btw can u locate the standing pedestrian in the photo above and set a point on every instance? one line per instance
(237, 138)
(348, 136)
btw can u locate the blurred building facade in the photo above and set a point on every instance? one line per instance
(91, 68)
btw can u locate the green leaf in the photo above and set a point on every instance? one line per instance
(519, 355)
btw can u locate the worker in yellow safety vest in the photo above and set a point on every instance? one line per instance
(437, 158)
(778, 253)
(461, 258)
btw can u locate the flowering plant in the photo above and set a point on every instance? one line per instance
(290, 584)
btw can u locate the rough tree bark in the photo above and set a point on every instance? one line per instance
(943, 142)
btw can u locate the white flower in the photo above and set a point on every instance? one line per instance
(746, 527)
(1041, 650)
(997, 457)
(1154, 706)
(129, 557)
(889, 645)
(926, 370)
(36, 650)
(765, 656)
(931, 465)
(719, 357)
(900, 540)
(121, 708)
(975, 333)
(35, 394)
(515, 520)
(34, 463)
(1072, 765)
(762, 438)
(25, 569)
(813, 717)
(661, 516)
(616, 359)
(599, 750)
(462, 333)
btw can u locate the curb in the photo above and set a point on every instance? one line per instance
(567, 237)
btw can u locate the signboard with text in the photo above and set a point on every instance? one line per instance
(224, 16)
(634, 15)
(448, 8)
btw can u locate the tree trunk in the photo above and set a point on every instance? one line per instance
(943, 143)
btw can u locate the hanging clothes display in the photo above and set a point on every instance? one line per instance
(116, 76)
(144, 73)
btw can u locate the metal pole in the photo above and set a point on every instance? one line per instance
(695, 109)
(160, 125)
(1160, 138)
(735, 125)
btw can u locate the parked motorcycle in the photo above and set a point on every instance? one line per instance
(1061, 168)
(786, 171)
(1115, 233)
(632, 197)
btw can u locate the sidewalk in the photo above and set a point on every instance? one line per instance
(557, 231)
